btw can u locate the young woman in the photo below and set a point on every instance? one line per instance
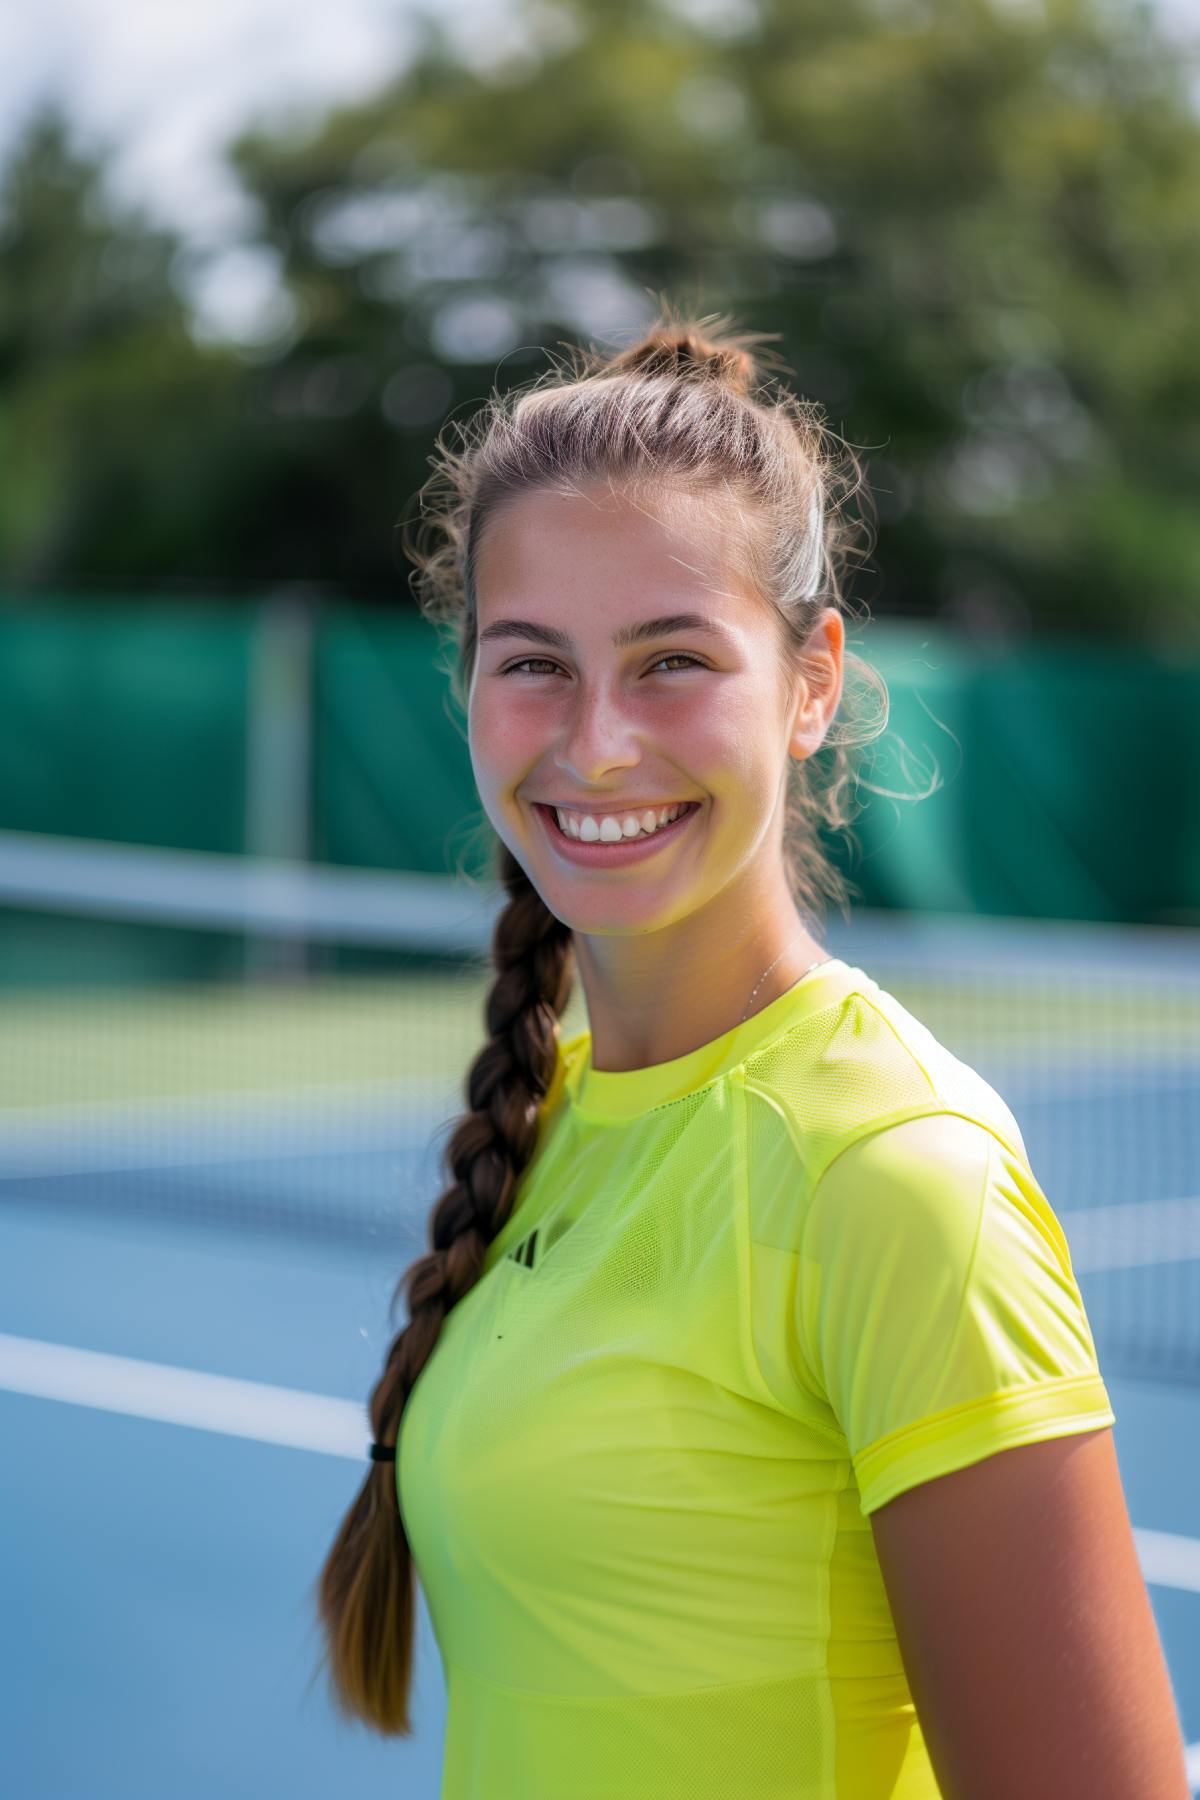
(748, 1433)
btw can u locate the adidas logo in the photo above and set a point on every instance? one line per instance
(524, 1252)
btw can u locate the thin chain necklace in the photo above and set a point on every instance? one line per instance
(771, 965)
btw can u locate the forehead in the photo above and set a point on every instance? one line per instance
(561, 553)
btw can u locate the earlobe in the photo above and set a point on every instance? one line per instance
(808, 730)
(814, 715)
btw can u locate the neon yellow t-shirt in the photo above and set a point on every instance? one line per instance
(745, 1298)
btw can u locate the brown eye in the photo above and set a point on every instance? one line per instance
(526, 660)
(683, 657)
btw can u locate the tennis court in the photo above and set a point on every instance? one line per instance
(209, 1188)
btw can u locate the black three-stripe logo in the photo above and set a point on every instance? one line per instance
(526, 1251)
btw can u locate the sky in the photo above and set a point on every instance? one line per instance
(168, 83)
(165, 85)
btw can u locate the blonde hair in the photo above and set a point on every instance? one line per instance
(686, 408)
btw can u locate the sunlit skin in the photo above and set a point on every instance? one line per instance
(669, 949)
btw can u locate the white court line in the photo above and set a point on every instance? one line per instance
(276, 1415)
(1132, 1235)
(1168, 1559)
(147, 1390)
(1192, 1753)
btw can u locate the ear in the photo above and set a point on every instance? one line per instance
(818, 683)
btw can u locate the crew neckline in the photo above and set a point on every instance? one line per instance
(623, 1093)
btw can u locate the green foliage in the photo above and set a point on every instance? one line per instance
(972, 222)
(115, 428)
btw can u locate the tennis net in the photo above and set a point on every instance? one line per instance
(283, 1049)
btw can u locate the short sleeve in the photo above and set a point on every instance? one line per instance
(938, 1310)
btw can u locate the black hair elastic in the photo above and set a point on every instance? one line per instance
(383, 1452)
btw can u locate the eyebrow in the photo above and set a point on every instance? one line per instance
(628, 634)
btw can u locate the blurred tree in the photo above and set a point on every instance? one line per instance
(116, 428)
(972, 222)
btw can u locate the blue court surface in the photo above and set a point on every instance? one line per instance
(182, 1392)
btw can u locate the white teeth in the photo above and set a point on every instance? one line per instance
(611, 828)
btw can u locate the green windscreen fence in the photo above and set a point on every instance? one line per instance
(1063, 778)
(125, 722)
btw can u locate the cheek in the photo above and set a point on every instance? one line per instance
(497, 731)
(725, 741)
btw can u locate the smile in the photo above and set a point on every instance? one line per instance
(601, 854)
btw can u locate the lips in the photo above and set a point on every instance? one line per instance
(602, 854)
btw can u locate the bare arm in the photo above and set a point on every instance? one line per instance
(1026, 1630)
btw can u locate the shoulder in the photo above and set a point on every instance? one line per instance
(932, 1167)
(861, 1099)
(940, 1191)
(866, 1054)
(902, 1211)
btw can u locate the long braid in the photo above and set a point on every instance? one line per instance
(365, 1592)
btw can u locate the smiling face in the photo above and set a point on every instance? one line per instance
(591, 707)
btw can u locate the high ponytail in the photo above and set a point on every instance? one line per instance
(684, 407)
(365, 1592)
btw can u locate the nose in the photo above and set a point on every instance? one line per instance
(597, 738)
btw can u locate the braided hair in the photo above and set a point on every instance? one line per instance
(685, 405)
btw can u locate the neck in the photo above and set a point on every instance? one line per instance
(656, 995)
